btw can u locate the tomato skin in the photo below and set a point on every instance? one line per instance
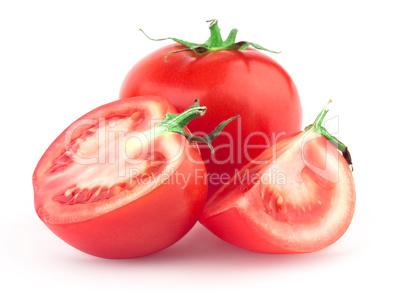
(144, 225)
(237, 213)
(246, 82)
(232, 227)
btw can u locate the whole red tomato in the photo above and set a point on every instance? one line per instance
(121, 182)
(297, 196)
(229, 78)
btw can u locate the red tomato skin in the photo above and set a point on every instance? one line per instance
(229, 83)
(234, 225)
(144, 226)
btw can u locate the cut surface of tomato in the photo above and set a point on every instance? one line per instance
(297, 196)
(113, 187)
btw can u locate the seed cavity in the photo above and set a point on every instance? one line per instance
(137, 118)
(273, 201)
(76, 195)
(155, 162)
(279, 201)
(88, 144)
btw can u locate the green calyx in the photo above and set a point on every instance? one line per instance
(176, 123)
(214, 43)
(317, 127)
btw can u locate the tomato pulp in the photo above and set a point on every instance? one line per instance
(110, 188)
(228, 82)
(298, 196)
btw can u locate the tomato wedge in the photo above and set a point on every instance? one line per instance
(297, 196)
(120, 181)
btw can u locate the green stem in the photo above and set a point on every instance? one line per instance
(177, 122)
(317, 127)
(214, 42)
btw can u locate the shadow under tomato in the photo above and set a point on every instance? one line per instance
(203, 250)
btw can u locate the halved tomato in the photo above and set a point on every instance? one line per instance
(119, 182)
(297, 196)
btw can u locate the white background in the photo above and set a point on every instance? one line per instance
(61, 59)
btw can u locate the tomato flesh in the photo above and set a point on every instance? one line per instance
(105, 189)
(298, 196)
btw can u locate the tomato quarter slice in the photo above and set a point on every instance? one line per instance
(297, 196)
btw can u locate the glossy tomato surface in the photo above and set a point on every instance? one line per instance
(298, 196)
(107, 191)
(229, 83)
